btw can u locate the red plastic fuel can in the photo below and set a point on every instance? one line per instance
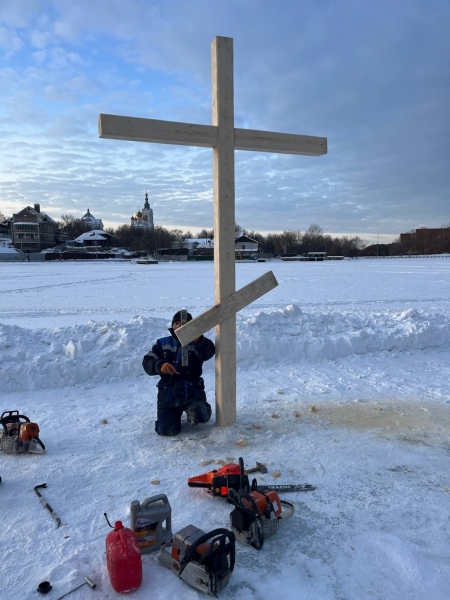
(123, 559)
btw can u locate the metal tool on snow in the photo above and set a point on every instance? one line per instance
(86, 581)
(261, 467)
(46, 504)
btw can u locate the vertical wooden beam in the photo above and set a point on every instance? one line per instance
(224, 221)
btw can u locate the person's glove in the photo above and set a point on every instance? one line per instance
(168, 369)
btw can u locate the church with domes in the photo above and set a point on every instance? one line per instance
(143, 218)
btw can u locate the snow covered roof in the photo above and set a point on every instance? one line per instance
(95, 234)
(6, 250)
(46, 217)
(245, 238)
(201, 242)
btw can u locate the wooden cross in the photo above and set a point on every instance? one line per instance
(224, 138)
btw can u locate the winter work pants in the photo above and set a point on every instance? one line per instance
(177, 397)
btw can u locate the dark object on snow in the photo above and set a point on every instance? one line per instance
(261, 467)
(44, 587)
(46, 504)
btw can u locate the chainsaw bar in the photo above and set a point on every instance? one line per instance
(297, 487)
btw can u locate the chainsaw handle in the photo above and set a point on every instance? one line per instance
(219, 536)
(12, 416)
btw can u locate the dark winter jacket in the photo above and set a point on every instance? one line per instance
(168, 350)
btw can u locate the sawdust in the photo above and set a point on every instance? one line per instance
(410, 421)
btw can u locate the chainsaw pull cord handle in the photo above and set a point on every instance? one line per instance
(219, 536)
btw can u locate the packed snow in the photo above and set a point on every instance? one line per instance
(343, 382)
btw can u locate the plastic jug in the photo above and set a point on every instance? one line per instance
(151, 522)
(123, 559)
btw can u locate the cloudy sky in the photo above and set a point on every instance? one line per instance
(372, 77)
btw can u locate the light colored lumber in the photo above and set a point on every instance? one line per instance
(224, 222)
(281, 143)
(115, 127)
(224, 139)
(228, 307)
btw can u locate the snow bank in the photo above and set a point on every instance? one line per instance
(100, 353)
(291, 334)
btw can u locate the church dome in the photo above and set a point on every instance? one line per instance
(139, 214)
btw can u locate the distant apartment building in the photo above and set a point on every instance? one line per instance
(426, 241)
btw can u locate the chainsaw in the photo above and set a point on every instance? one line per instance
(219, 481)
(18, 434)
(257, 515)
(203, 560)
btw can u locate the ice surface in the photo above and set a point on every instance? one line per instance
(343, 382)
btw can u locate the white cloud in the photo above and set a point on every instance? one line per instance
(40, 39)
(374, 83)
(19, 13)
(10, 41)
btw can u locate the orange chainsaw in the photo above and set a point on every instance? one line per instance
(18, 434)
(231, 476)
(257, 515)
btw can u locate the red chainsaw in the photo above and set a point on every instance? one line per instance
(257, 515)
(230, 476)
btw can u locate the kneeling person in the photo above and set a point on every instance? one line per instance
(181, 387)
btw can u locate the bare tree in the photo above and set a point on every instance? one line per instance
(72, 226)
(206, 234)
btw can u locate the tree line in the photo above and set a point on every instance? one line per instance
(288, 242)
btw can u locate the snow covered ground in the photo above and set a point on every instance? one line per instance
(343, 382)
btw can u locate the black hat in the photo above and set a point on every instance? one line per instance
(177, 317)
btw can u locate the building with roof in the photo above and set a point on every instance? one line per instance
(33, 231)
(89, 220)
(144, 217)
(426, 240)
(245, 243)
(94, 240)
(203, 249)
